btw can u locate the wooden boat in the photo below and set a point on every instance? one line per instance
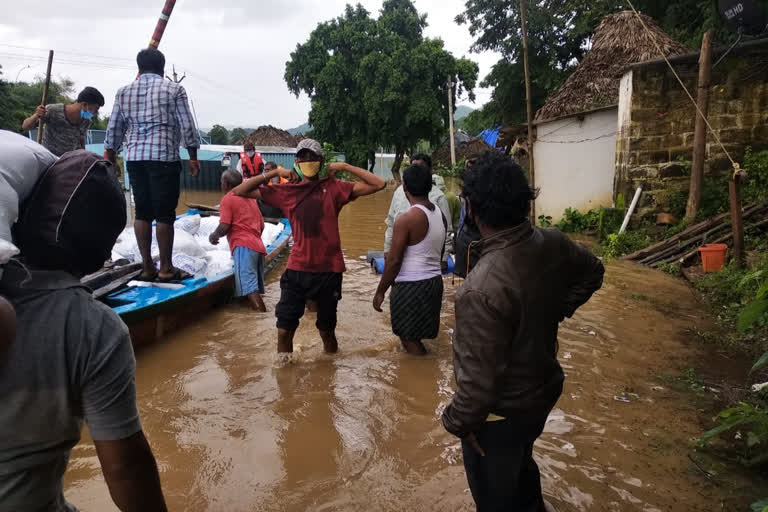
(151, 312)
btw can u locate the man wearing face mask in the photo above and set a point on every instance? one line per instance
(66, 126)
(251, 164)
(316, 264)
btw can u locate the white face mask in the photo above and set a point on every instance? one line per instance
(250, 153)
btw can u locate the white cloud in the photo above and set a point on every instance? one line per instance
(234, 54)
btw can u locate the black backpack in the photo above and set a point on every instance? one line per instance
(74, 215)
(466, 257)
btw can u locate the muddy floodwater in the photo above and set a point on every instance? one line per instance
(233, 430)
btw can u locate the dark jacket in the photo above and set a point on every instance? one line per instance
(525, 283)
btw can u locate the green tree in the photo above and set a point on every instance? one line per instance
(219, 135)
(560, 33)
(378, 82)
(238, 134)
(19, 100)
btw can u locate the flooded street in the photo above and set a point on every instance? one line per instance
(234, 431)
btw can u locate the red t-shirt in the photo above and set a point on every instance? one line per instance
(313, 208)
(247, 223)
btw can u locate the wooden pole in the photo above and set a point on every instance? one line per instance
(700, 136)
(450, 121)
(737, 220)
(44, 101)
(529, 106)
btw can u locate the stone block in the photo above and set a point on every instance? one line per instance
(657, 142)
(638, 173)
(733, 136)
(672, 170)
(760, 135)
(736, 107)
(652, 157)
(681, 153)
(723, 122)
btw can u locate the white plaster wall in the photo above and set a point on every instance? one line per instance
(575, 162)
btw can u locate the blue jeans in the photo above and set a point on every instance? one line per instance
(507, 478)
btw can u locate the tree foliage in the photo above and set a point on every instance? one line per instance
(378, 82)
(18, 100)
(238, 134)
(559, 33)
(219, 135)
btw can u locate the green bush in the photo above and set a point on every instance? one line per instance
(616, 246)
(574, 221)
(756, 165)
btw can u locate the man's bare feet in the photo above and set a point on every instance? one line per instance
(414, 347)
(257, 303)
(285, 341)
(330, 344)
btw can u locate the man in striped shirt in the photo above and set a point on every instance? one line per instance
(153, 117)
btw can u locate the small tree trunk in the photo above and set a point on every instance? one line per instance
(399, 153)
(700, 136)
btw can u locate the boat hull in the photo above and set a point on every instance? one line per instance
(152, 315)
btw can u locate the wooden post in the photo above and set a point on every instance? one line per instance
(531, 165)
(44, 101)
(700, 136)
(450, 121)
(737, 220)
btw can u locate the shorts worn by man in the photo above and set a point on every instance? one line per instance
(241, 221)
(154, 115)
(316, 264)
(65, 127)
(71, 361)
(508, 379)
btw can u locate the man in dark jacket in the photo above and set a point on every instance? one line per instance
(527, 280)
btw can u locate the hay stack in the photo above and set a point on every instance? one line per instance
(619, 42)
(271, 136)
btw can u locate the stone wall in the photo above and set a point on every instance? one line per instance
(655, 142)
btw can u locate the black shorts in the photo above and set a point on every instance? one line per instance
(156, 187)
(296, 287)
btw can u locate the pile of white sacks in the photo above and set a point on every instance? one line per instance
(192, 252)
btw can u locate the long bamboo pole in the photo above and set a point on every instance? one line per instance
(165, 15)
(44, 101)
(529, 106)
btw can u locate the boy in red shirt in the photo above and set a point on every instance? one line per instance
(316, 264)
(241, 220)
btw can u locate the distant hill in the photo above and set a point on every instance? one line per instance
(300, 130)
(462, 111)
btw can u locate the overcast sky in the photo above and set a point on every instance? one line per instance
(234, 54)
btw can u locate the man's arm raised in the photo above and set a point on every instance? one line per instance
(250, 188)
(370, 182)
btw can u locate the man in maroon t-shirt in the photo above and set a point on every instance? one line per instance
(316, 263)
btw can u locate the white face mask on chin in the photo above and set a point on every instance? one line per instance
(250, 153)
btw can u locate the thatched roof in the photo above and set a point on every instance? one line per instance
(271, 136)
(619, 42)
(442, 155)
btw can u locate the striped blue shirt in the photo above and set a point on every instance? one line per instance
(152, 116)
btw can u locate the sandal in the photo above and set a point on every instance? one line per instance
(147, 279)
(177, 276)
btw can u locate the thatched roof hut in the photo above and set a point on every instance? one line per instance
(619, 41)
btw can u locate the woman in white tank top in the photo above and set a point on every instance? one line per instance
(413, 265)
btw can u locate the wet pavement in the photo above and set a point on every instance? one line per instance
(233, 430)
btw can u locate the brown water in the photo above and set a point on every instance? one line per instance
(233, 430)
